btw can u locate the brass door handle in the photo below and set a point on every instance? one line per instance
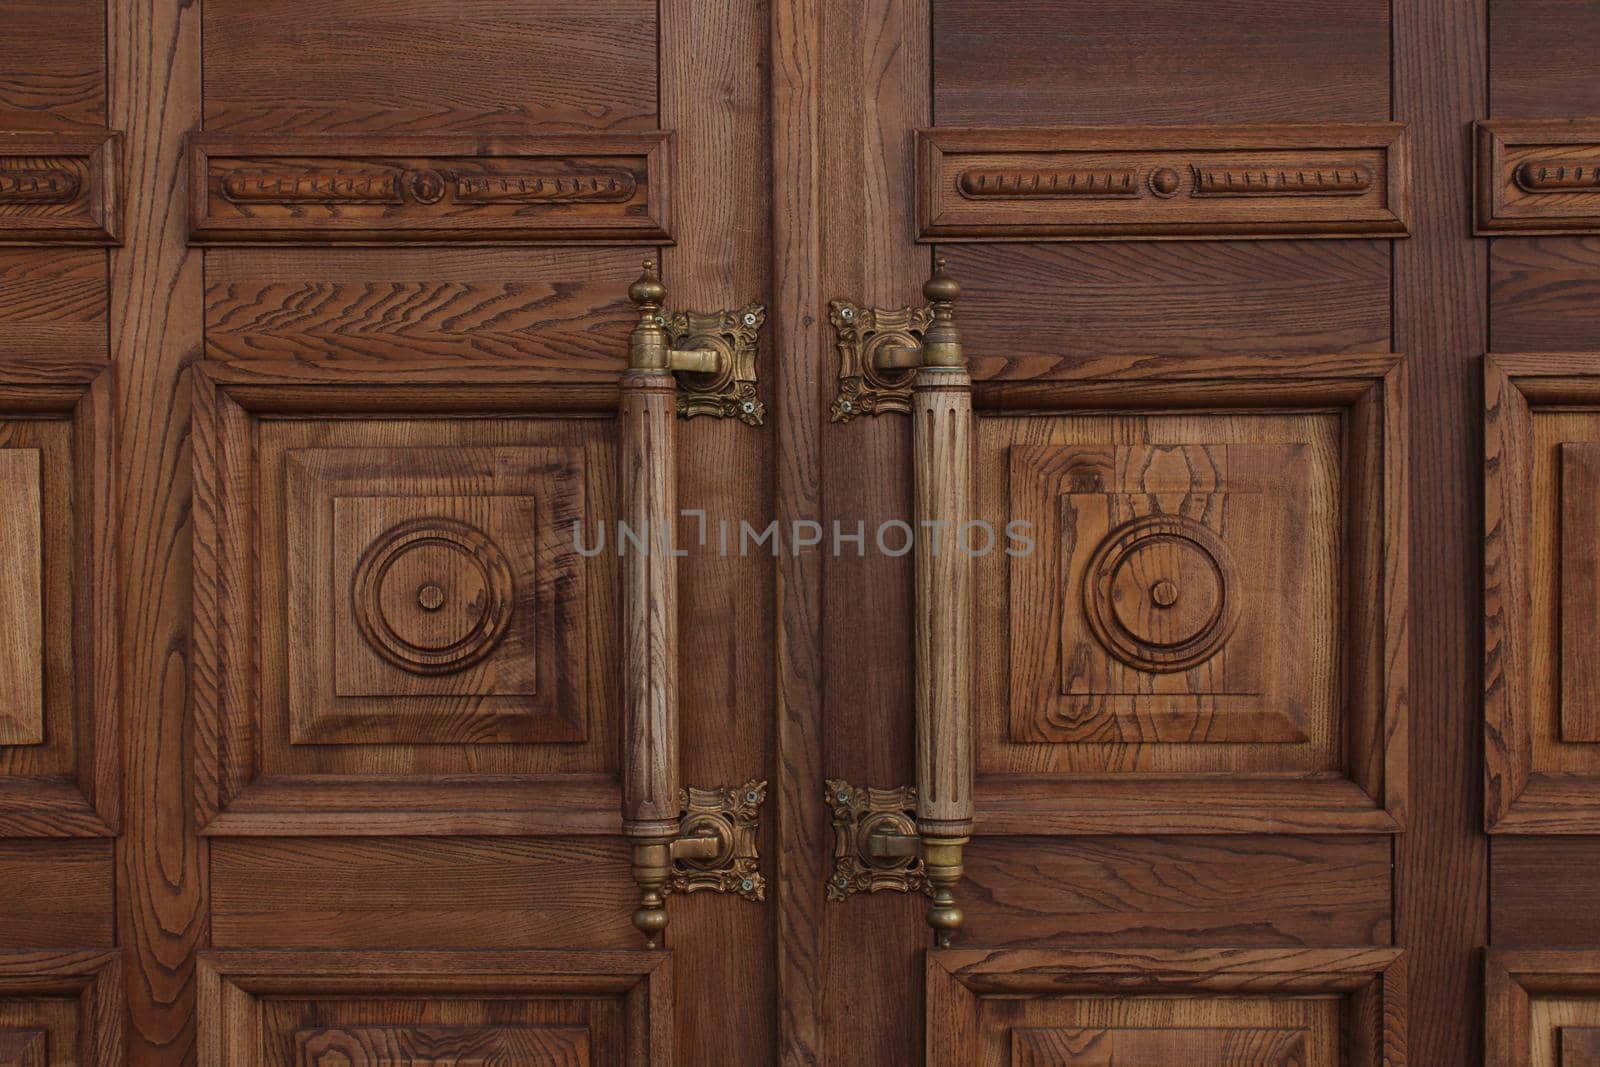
(874, 848)
(718, 851)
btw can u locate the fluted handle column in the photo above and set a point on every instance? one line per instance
(648, 472)
(941, 413)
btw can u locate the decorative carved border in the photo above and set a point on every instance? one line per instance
(232, 987)
(1513, 979)
(1369, 796)
(1518, 796)
(60, 188)
(231, 797)
(88, 805)
(1161, 182)
(93, 978)
(1538, 176)
(409, 187)
(1372, 979)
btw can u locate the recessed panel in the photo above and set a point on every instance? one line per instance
(21, 599)
(1216, 1046)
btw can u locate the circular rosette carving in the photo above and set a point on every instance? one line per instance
(1161, 593)
(433, 595)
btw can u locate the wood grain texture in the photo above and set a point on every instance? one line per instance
(1034, 301)
(1021, 63)
(442, 1046)
(407, 187)
(1219, 1046)
(873, 89)
(255, 1006)
(466, 893)
(1579, 567)
(34, 985)
(1542, 890)
(53, 305)
(58, 893)
(977, 998)
(1544, 294)
(1098, 892)
(1537, 51)
(1161, 182)
(561, 307)
(283, 67)
(22, 653)
(1441, 888)
(155, 329)
(60, 188)
(53, 56)
(23, 1048)
(797, 104)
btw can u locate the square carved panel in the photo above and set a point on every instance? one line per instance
(1206, 1007)
(1543, 1009)
(1199, 621)
(435, 1009)
(60, 1009)
(437, 617)
(58, 668)
(395, 628)
(1171, 566)
(1541, 580)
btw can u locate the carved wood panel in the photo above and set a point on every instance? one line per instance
(58, 667)
(61, 1009)
(433, 1009)
(1541, 568)
(1543, 1008)
(59, 187)
(396, 628)
(1204, 627)
(569, 187)
(1098, 183)
(1211, 1007)
(1538, 176)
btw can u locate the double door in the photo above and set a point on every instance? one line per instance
(1013, 579)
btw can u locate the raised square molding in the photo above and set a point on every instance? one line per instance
(444, 498)
(1542, 1007)
(1210, 1007)
(361, 1009)
(58, 602)
(1161, 182)
(1541, 696)
(384, 188)
(1539, 176)
(61, 1006)
(59, 188)
(1209, 633)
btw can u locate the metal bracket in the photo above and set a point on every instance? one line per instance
(724, 385)
(881, 350)
(717, 849)
(875, 841)
(874, 376)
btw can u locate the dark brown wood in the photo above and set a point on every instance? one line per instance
(1161, 182)
(1441, 887)
(1538, 176)
(62, 188)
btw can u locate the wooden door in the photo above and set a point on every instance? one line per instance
(1239, 357)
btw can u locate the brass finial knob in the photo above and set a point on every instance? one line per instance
(940, 288)
(648, 290)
